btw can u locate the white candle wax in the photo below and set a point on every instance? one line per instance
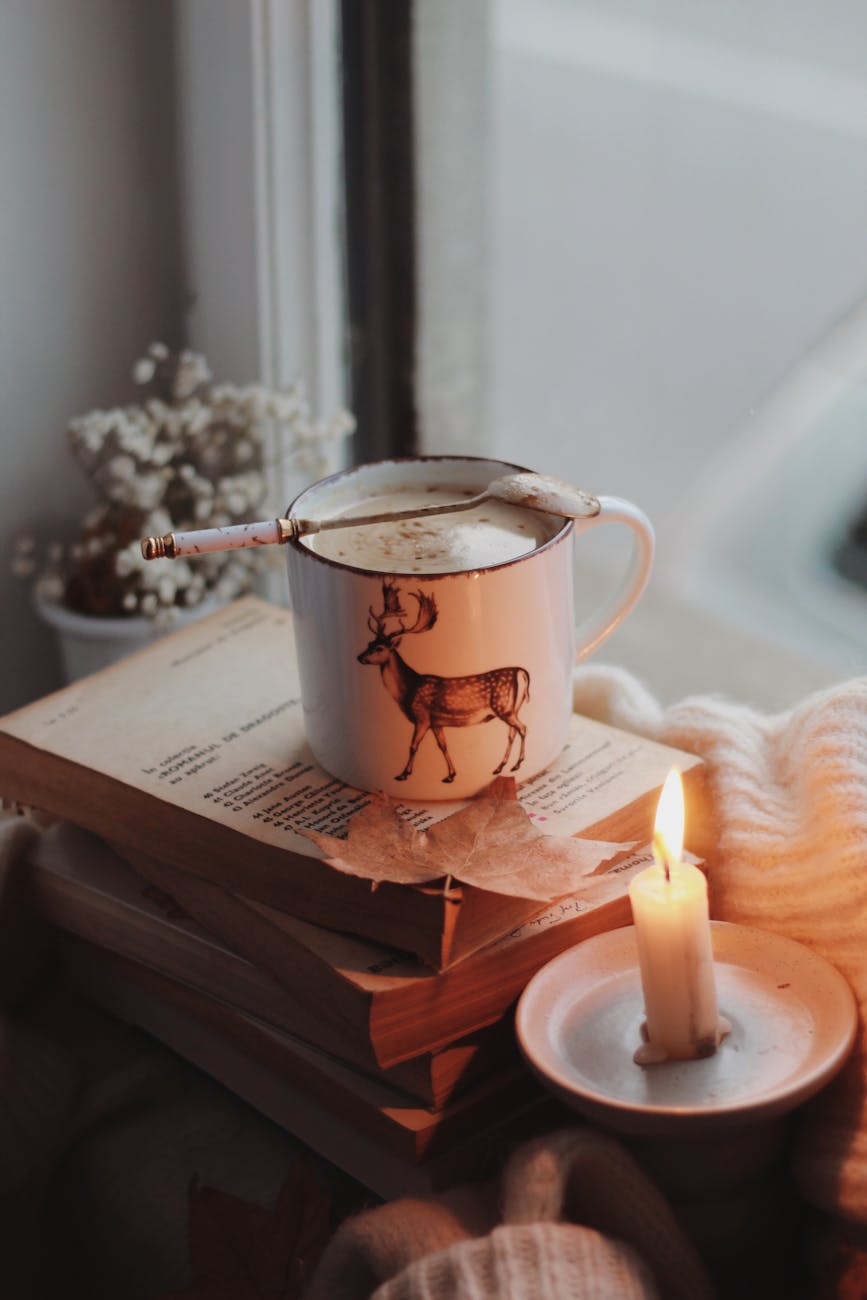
(675, 956)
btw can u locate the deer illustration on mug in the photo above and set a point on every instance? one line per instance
(431, 702)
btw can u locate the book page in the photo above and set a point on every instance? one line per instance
(600, 770)
(209, 719)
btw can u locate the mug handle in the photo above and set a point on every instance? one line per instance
(595, 629)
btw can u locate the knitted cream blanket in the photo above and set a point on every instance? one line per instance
(789, 799)
(573, 1218)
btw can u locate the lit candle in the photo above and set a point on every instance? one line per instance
(672, 929)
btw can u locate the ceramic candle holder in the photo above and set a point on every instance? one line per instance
(711, 1132)
(793, 1019)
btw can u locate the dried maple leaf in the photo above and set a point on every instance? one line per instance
(491, 843)
(240, 1251)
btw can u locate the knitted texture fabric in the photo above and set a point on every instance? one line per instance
(533, 1261)
(789, 797)
(574, 1217)
(585, 1176)
(376, 1245)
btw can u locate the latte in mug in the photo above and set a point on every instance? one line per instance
(491, 533)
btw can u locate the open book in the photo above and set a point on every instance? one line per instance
(193, 751)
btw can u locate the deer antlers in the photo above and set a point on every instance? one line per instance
(391, 608)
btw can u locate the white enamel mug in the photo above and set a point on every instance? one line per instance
(426, 686)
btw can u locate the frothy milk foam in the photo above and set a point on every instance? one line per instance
(488, 534)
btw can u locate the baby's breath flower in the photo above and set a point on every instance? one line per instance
(89, 437)
(158, 521)
(128, 560)
(122, 467)
(161, 454)
(197, 417)
(147, 490)
(190, 453)
(167, 589)
(192, 371)
(157, 410)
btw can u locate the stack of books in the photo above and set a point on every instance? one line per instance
(375, 1023)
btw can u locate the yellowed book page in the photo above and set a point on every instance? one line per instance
(209, 720)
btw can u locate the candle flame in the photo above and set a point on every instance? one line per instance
(668, 828)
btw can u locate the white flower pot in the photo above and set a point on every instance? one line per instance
(89, 642)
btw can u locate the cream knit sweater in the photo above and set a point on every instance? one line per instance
(574, 1217)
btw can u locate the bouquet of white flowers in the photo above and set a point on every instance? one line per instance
(192, 454)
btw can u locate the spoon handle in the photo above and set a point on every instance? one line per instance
(204, 541)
